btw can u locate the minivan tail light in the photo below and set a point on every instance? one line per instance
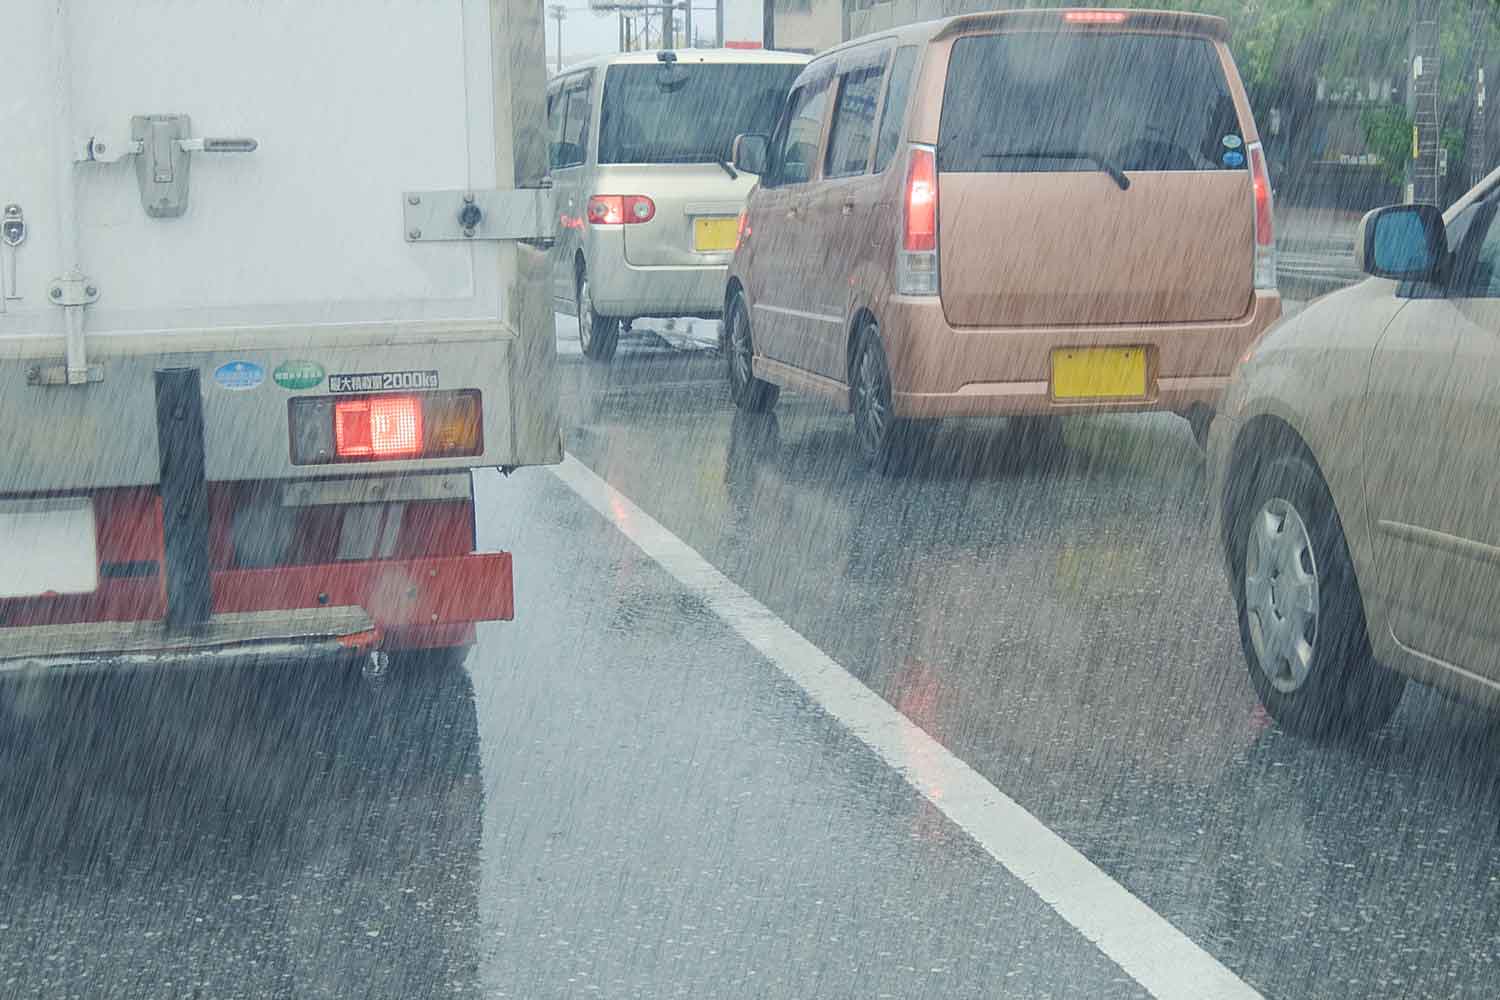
(921, 201)
(917, 262)
(620, 209)
(1265, 235)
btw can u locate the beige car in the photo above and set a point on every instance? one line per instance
(1355, 474)
(1028, 213)
(647, 199)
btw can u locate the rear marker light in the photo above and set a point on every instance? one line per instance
(1095, 16)
(383, 427)
(742, 230)
(377, 427)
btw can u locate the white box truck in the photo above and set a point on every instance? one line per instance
(273, 280)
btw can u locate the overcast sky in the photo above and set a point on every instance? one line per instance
(587, 34)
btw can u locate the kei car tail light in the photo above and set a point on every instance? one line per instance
(384, 427)
(1265, 237)
(917, 261)
(620, 209)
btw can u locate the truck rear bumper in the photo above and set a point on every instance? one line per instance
(420, 602)
(333, 633)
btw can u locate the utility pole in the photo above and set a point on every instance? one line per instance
(687, 25)
(1478, 130)
(718, 24)
(1423, 185)
(558, 13)
(768, 24)
(667, 13)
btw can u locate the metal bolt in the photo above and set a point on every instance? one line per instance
(415, 234)
(56, 293)
(469, 199)
(468, 230)
(90, 291)
(434, 618)
(12, 210)
(99, 147)
(414, 199)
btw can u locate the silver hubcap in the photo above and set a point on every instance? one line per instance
(1281, 594)
(739, 348)
(869, 402)
(585, 315)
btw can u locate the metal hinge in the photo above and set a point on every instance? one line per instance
(73, 292)
(525, 214)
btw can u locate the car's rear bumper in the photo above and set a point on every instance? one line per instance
(941, 371)
(626, 291)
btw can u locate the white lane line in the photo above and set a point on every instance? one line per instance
(1137, 938)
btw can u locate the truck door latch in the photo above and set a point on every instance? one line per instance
(162, 146)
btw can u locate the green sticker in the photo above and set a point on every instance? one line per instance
(298, 374)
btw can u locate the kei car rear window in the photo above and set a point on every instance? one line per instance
(1066, 100)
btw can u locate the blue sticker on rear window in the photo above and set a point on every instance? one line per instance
(1232, 141)
(1234, 159)
(238, 375)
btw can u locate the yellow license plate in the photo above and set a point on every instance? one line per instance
(714, 235)
(1099, 373)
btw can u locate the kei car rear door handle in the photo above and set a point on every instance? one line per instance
(848, 207)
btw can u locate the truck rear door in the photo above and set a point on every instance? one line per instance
(234, 186)
(327, 215)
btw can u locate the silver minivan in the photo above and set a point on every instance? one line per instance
(647, 199)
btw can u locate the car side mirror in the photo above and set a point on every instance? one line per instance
(749, 153)
(1404, 242)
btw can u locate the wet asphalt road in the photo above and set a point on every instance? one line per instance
(617, 797)
(1061, 623)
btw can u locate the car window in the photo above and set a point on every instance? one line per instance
(794, 149)
(1478, 267)
(687, 113)
(554, 113)
(853, 127)
(1057, 101)
(576, 130)
(893, 109)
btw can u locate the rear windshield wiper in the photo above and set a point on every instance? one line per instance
(1115, 173)
(733, 174)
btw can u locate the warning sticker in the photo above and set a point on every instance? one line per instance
(383, 381)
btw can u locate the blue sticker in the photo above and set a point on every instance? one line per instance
(239, 375)
(1234, 159)
(1232, 141)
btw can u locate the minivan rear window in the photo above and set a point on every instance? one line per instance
(687, 113)
(1073, 100)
